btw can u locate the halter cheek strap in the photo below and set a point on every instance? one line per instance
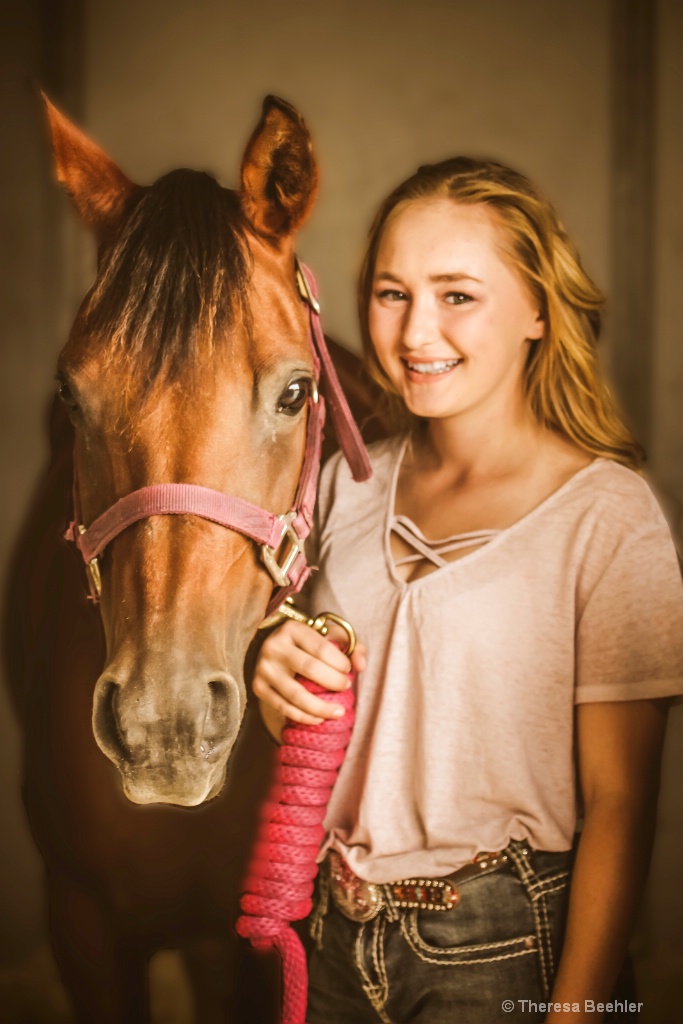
(281, 537)
(348, 435)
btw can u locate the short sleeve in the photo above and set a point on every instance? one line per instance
(629, 643)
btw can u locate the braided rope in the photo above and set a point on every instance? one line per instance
(279, 883)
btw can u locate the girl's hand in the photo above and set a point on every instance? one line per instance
(296, 649)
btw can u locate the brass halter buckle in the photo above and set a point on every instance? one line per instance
(304, 291)
(294, 547)
(288, 610)
(93, 567)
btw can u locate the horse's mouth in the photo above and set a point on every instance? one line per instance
(186, 785)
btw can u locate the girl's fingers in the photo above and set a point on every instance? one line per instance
(297, 650)
(294, 701)
(309, 666)
(359, 658)
(301, 651)
(314, 643)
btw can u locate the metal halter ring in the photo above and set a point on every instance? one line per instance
(304, 288)
(288, 610)
(292, 543)
(93, 569)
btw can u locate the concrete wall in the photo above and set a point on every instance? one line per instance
(38, 286)
(383, 84)
(668, 270)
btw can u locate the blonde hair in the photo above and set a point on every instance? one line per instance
(562, 378)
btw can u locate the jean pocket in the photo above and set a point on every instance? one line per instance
(494, 920)
(423, 938)
(549, 884)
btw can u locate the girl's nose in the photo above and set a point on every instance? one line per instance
(419, 324)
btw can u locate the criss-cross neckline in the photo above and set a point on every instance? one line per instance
(432, 550)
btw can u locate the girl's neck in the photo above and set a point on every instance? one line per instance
(471, 447)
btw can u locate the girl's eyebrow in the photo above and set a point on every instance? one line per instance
(385, 275)
(461, 276)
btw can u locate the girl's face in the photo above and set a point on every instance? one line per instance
(450, 318)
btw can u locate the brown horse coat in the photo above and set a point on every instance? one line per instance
(125, 879)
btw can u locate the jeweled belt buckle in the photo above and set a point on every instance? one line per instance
(357, 899)
(424, 894)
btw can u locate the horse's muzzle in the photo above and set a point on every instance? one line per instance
(170, 742)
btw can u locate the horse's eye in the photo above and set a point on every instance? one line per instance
(293, 398)
(66, 395)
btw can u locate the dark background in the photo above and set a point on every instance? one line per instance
(585, 96)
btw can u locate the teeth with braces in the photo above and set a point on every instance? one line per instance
(433, 368)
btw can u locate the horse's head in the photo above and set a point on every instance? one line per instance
(189, 362)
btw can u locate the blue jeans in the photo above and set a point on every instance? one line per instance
(491, 958)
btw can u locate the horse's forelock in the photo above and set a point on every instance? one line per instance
(173, 279)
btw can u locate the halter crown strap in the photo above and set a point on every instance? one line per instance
(348, 435)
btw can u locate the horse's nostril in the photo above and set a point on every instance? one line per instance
(105, 722)
(223, 716)
(218, 687)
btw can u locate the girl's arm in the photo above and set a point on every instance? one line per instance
(619, 755)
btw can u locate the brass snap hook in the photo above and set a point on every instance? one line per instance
(288, 610)
(320, 624)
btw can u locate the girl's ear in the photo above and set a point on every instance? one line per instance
(279, 172)
(537, 329)
(97, 187)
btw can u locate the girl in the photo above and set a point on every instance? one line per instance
(519, 597)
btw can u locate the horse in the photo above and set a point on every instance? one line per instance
(189, 364)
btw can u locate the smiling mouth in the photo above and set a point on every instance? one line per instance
(433, 369)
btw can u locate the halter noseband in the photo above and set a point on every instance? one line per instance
(281, 537)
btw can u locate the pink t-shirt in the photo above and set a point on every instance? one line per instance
(464, 736)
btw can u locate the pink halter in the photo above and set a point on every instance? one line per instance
(282, 536)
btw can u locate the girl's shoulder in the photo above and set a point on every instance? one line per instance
(620, 491)
(383, 456)
(576, 482)
(613, 519)
(344, 500)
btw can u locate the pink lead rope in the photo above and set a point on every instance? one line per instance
(279, 883)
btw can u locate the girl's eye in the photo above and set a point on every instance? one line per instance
(391, 295)
(457, 298)
(294, 397)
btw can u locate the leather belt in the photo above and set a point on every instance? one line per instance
(361, 901)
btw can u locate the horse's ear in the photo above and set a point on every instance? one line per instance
(97, 187)
(279, 172)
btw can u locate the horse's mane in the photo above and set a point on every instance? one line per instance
(173, 278)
